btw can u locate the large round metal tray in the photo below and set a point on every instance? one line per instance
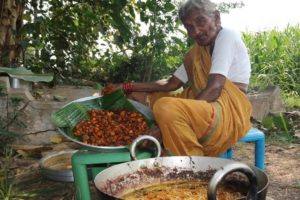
(146, 111)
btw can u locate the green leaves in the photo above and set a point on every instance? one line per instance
(104, 41)
(279, 122)
(267, 122)
(168, 7)
(280, 128)
(70, 115)
(226, 7)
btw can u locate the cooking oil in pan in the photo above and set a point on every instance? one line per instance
(187, 190)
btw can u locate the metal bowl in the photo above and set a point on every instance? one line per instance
(146, 111)
(57, 166)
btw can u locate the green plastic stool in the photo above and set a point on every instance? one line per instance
(85, 161)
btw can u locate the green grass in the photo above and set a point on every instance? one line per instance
(280, 129)
(280, 138)
(298, 184)
(292, 102)
(275, 59)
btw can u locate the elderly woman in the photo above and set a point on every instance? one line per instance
(213, 112)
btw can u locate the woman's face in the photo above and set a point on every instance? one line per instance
(202, 27)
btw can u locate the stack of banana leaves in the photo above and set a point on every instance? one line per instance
(71, 114)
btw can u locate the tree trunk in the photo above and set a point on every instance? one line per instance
(148, 68)
(11, 12)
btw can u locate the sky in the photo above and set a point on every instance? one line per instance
(260, 15)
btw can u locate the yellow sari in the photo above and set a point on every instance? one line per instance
(196, 127)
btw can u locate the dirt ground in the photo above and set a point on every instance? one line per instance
(282, 168)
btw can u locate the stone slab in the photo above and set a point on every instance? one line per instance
(265, 102)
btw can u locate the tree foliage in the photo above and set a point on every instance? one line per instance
(114, 40)
(105, 41)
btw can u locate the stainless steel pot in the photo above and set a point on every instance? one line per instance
(19, 83)
(121, 179)
(57, 166)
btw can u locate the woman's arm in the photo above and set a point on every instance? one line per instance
(213, 89)
(170, 84)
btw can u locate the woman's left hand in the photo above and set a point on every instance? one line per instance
(109, 88)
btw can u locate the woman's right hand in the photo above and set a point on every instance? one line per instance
(109, 88)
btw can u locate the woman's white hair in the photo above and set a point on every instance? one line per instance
(205, 5)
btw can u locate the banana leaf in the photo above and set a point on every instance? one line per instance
(74, 112)
(26, 75)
